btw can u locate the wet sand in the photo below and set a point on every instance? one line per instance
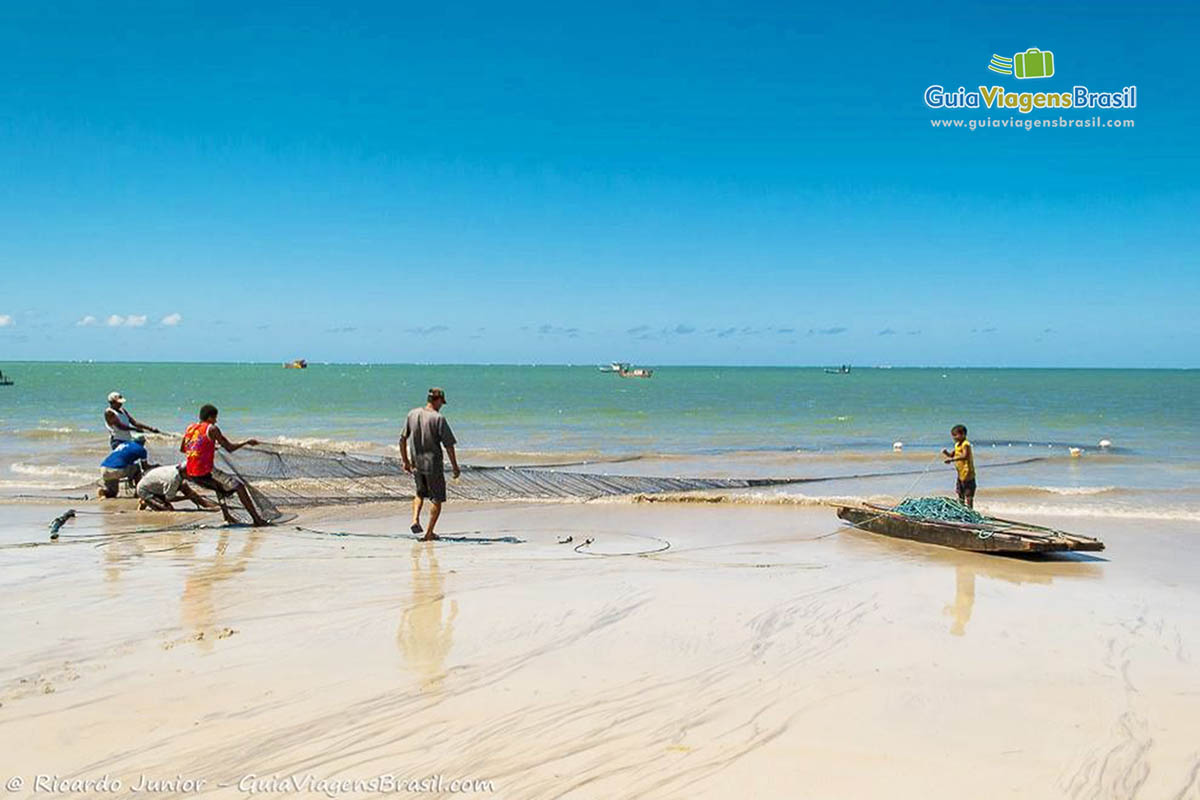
(763, 654)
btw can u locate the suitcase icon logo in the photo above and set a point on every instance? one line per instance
(1033, 63)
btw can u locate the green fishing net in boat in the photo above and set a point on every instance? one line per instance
(940, 508)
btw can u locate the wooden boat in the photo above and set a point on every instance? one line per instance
(299, 363)
(993, 536)
(626, 370)
(636, 372)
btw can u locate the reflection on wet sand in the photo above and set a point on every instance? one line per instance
(424, 636)
(198, 611)
(124, 543)
(964, 600)
(1011, 570)
(1039, 569)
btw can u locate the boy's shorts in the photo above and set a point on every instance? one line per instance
(217, 481)
(965, 487)
(431, 485)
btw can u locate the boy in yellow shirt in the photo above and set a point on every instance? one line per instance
(963, 459)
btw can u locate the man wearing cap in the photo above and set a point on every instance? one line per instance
(428, 432)
(120, 423)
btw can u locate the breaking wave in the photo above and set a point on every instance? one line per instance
(1005, 509)
(335, 445)
(60, 432)
(1062, 491)
(50, 471)
(1166, 513)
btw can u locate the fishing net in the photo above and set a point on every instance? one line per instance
(939, 508)
(282, 476)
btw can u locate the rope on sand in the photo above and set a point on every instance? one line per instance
(579, 548)
(413, 538)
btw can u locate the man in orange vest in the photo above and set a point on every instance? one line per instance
(199, 444)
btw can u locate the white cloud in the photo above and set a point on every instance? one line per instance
(131, 321)
(171, 320)
(86, 322)
(6, 321)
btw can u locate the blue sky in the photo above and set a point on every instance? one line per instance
(730, 183)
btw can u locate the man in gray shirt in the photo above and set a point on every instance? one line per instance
(428, 432)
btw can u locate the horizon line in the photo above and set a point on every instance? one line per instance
(597, 364)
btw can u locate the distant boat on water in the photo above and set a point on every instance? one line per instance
(844, 369)
(626, 370)
(299, 363)
(5, 380)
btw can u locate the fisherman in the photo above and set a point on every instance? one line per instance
(963, 459)
(159, 486)
(120, 423)
(123, 463)
(199, 444)
(428, 432)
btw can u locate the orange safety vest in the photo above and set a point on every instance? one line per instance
(200, 449)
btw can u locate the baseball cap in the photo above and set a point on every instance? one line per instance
(117, 396)
(437, 393)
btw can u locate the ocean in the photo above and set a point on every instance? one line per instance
(686, 421)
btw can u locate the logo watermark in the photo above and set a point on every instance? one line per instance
(1027, 124)
(997, 97)
(289, 785)
(1032, 63)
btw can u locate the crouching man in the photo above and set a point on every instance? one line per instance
(125, 463)
(159, 486)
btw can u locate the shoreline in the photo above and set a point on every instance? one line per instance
(765, 650)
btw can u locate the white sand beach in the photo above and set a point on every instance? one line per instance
(763, 654)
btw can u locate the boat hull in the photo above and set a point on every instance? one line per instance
(976, 538)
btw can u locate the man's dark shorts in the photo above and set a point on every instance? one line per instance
(431, 485)
(217, 481)
(965, 487)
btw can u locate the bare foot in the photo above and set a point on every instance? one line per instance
(416, 528)
(429, 537)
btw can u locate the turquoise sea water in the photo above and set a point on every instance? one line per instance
(709, 420)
